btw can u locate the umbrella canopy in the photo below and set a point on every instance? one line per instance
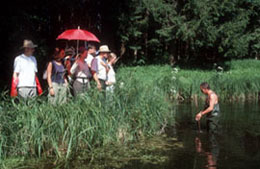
(78, 34)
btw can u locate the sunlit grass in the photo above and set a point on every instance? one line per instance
(35, 128)
(240, 82)
(139, 107)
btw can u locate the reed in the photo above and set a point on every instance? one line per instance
(240, 82)
(35, 128)
(139, 107)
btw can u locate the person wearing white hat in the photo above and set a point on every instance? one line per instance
(99, 68)
(25, 82)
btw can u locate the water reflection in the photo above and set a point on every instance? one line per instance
(237, 144)
(211, 154)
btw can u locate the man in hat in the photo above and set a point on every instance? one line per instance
(99, 68)
(25, 82)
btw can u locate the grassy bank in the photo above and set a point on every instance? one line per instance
(39, 129)
(139, 108)
(240, 80)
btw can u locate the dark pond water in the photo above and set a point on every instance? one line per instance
(237, 145)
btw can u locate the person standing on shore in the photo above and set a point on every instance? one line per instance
(211, 109)
(25, 82)
(99, 68)
(69, 60)
(111, 75)
(81, 72)
(57, 82)
(91, 54)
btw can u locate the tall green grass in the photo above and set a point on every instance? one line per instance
(35, 128)
(241, 81)
(139, 107)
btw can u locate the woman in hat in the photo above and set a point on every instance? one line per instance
(56, 79)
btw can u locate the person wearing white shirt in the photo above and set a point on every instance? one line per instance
(99, 68)
(111, 75)
(91, 54)
(25, 69)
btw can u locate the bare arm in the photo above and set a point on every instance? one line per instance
(97, 80)
(94, 70)
(212, 101)
(49, 74)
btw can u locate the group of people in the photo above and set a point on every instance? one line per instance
(68, 68)
(77, 70)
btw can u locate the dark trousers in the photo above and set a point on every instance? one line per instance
(212, 124)
(79, 88)
(103, 84)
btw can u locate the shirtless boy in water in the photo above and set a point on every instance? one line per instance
(211, 108)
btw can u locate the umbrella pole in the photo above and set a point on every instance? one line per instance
(78, 43)
(77, 47)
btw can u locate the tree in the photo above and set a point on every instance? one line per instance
(201, 30)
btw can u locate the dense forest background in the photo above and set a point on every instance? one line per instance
(187, 32)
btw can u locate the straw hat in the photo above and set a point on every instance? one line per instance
(104, 49)
(28, 44)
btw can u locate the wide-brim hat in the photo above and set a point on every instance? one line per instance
(104, 49)
(29, 44)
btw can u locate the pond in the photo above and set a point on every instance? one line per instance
(236, 146)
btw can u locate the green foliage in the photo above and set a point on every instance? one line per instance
(191, 30)
(241, 81)
(34, 128)
(139, 108)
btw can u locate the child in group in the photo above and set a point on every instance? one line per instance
(111, 75)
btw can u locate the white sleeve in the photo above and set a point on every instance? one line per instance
(35, 62)
(113, 79)
(74, 68)
(89, 59)
(112, 76)
(17, 65)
